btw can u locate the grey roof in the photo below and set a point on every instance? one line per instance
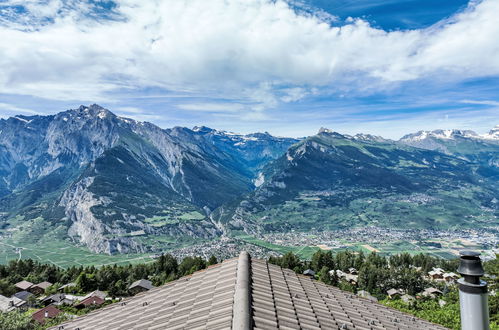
(244, 293)
(23, 295)
(96, 293)
(9, 304)
(68, 285)
(146, 284)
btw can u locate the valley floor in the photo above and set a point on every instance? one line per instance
(444, 244)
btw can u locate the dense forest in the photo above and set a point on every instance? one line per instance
(376, 275)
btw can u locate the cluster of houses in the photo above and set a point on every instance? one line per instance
(31, 295)
(440, 275)
(436, 275)
(351, 276)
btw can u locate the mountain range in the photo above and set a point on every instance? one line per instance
(116, 185)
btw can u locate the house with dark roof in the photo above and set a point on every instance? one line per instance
(245, 293)
(57, 300)
(309, 272)
(140, 286)
(23, 285)
(45, 313)
(24, 295)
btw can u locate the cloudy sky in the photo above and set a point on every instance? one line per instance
(386, 67)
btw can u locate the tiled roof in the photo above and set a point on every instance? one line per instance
(245, 293)
(9, 304)
(43, 285)
(23, 285)
(23, 295)
(40, 314)
(146, 284)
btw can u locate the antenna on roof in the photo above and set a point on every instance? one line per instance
(472, 293)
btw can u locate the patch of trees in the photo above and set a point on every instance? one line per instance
(113, 278)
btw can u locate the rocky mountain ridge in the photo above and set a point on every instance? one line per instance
(117, 185)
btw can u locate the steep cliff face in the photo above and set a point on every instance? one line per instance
(107, 177)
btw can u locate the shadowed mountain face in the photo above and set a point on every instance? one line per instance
(332, 181)
(116, 185)
(103, 176)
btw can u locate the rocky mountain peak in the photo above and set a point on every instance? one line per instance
(493, 134)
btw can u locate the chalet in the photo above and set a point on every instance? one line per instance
(96, 293)
(24, 295)
(23, 285)
(436, 274)
(140, 286)
(350, 278)
(431, 292)
(246, 293)
(45, 313)
(66, 286)
(309, 272)
(11, 304)
(450, 277)
(366, 295)
(392, 293)
(39, 288)
(57, 300)
(90, 301)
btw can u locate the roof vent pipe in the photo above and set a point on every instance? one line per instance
(472, 293)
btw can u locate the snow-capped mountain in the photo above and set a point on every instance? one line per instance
(114, 184)
(104, 176)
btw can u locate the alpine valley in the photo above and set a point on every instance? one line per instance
(90, 179)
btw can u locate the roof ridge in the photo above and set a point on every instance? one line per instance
(241, 312)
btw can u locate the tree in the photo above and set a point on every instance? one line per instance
(16, 321)
(212, 261)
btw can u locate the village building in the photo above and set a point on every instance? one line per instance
(309, 272)
(246, 293)
(431, 292)
(96, 293)
(23, 285)
(39, 288)
(24, 295)
(57, 300)
(366, 295)
(436, 274)
(68, 285)
(393, 293)
(11, 304)
(450, 277)
(45, 313)
(90, 301)
(140, 286)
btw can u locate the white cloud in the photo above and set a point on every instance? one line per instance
(211, 107)
(258, 51)
(10, 108)
(482, 102)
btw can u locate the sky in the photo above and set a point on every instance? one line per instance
(289, 67)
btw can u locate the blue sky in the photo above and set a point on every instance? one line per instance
(386, 67)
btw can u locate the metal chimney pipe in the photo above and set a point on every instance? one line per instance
(473, 294)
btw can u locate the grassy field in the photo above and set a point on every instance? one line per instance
(304, 252)
(64, 254)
